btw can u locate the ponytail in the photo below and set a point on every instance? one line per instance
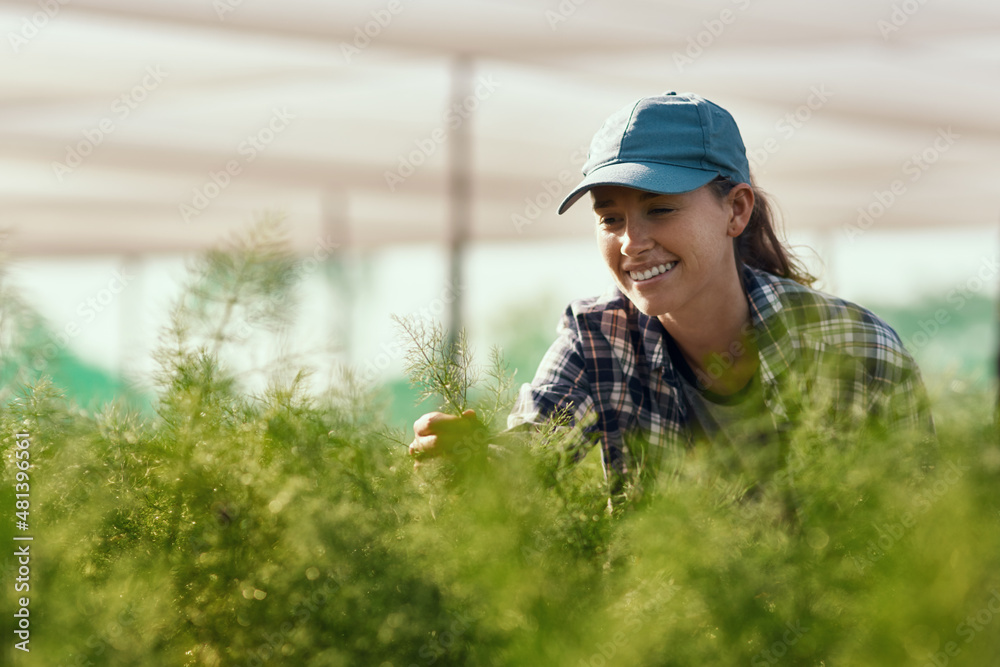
(759, 246)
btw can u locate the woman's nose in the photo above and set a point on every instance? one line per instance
(635, 238)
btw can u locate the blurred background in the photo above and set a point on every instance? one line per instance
(418, 151)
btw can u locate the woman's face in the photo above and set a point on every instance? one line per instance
(672, 254)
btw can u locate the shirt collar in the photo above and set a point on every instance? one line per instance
(773, 340)
(764, 299)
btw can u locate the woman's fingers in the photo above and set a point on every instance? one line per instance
(425, 434)
(416, 448)
(429, 423)
(436, 432)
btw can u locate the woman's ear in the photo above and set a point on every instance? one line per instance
(741, 200)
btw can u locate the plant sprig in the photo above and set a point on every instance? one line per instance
(438, 365)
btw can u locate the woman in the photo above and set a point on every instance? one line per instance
(711, 322)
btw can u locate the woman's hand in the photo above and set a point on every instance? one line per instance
(436, 434)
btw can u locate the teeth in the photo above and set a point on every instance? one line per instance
(655, 271)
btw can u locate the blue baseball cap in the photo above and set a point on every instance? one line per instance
(668, 144)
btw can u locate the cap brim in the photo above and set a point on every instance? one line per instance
(665, 179)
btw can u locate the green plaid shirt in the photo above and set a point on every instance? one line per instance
(819, 356)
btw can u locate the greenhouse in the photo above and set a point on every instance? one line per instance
(246, 245)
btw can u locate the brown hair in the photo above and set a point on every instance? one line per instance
(759, 246)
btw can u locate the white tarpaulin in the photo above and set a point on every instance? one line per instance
(146, 126)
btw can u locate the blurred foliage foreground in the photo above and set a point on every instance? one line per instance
(289, 528)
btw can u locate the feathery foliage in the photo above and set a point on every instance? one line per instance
(282, 528)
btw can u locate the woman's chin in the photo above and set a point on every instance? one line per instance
(646, 305)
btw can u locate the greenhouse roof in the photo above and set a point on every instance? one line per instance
(155, 126)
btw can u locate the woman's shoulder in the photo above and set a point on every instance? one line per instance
(820, 316)
(784, 293)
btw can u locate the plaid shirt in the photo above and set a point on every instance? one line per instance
(816, 353)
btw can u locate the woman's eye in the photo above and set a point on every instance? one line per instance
(660, 211)
(607, 220)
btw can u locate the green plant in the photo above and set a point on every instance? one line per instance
(280, 527)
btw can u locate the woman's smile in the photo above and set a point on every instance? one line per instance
(645, 275)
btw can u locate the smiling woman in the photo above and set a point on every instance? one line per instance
(672, 257)
(712, 333)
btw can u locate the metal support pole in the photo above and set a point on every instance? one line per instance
(459, 187)
(338, 271)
